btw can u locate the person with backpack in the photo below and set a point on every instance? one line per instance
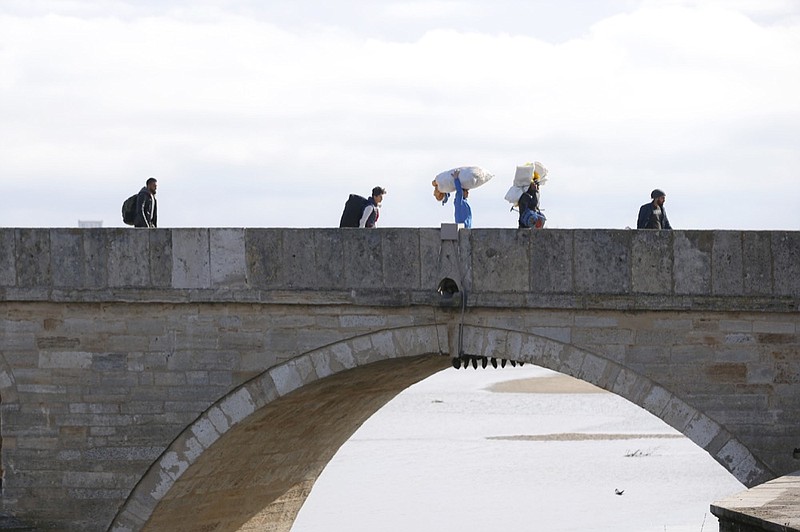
(146, 207)
(653, 215)
(371, 212)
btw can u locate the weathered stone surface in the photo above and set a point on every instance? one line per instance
(363, 258)
(551, 261)
(95, 258)
(263, 249)
(437, 259)
(67, 259)
(651, 262)
(603, 262)
(727, 269)
(8, 266)
(401, 259)
(128, 258)
(191, 258)
(228, 263)
(33, 257)
(160, 258)
(328, 259)
(298, 265)
(503, 263)
(786, 263)
(757, 263)
(692, 262)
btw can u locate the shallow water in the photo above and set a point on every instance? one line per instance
(449, 455)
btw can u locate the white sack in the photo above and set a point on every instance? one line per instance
(470, 177)
(524, 174)
(514, 193)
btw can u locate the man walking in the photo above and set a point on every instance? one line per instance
(653, 215)
(371, 213)
(146, 208)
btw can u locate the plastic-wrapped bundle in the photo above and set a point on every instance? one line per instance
(513, 194)
(470, 177)
(528, 172)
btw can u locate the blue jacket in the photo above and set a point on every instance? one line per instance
(463, 210)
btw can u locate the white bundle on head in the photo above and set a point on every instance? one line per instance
(470, 177)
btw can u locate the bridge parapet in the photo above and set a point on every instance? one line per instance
(577, 268)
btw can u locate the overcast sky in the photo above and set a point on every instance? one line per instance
(268, 114)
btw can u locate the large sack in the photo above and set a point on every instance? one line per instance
(514, 193)
(353, 210)
(470, 177)
(526, 173)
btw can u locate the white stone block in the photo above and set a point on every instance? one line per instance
(286, 378)
(238, 406)
(701, 430)
(228, 263)
(190, 258)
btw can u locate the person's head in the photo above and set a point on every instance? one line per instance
(534, 186)
(658, 197)
(377, 194)
(465, 192)
(151, 185)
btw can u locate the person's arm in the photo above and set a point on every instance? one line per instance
(141, 207)
(147, 209)
(459, 191)
(666, 224)
(644, 217)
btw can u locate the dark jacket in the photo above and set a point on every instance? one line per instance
(528, 201)
(648, 220)
(370, 214)
(146, 209)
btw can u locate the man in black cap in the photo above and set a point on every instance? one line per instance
(653, 215)
(369, 217)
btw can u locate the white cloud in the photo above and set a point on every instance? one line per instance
(692, 97)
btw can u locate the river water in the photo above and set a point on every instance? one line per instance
(450, 454)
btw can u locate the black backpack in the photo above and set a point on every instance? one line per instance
(129, 210)
(353, 210)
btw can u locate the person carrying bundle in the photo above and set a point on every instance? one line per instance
(460, 180)
(529, 214)
(524, 194)
(463, 211)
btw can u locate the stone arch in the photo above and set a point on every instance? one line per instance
(361, 373)
(403, 356)
(622, 381)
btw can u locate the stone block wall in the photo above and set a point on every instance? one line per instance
(114, 341)
(398, 266)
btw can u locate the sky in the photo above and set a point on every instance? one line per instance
(269, 114)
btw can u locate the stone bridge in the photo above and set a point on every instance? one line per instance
(201, 379)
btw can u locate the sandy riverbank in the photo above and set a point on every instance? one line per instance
(554, 384)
